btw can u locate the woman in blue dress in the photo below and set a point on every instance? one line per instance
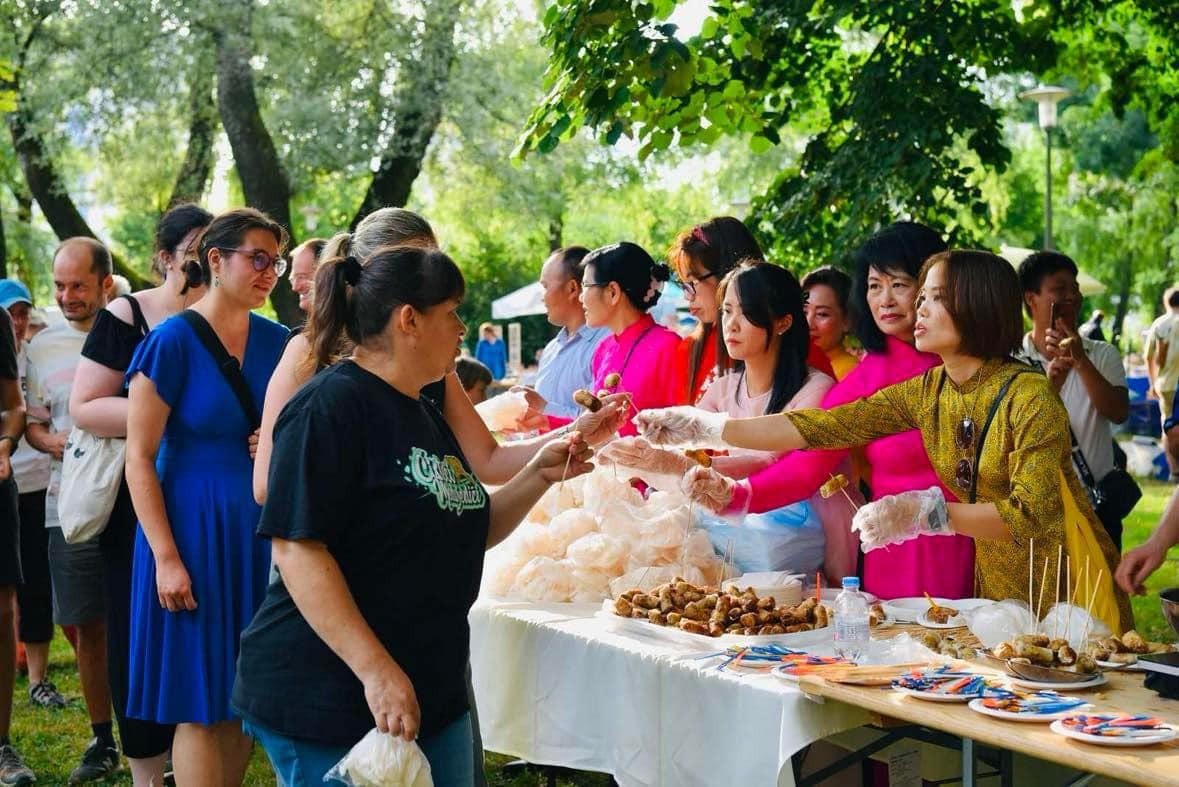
(199, 571)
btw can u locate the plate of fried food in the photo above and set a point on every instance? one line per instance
(1113, 653)
(911, 609)
(1037, 661)
(686, 613)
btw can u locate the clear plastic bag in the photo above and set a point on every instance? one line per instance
(502, 413)
(382, 760)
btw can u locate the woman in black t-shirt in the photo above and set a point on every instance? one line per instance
(379, 528)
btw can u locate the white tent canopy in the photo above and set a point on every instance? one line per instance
(526, 301)
(1015, 255)
(529, 300)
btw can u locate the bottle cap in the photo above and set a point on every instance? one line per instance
(851, 582)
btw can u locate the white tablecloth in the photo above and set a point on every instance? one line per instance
(557, 686)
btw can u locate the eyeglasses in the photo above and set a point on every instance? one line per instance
(964, 432)
(261, 260)
(689, 287)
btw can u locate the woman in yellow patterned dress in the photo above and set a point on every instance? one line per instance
(1021, 483)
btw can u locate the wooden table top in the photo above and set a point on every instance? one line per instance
(1124, 692)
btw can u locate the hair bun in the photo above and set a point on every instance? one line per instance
(352, 269)
(661, 272)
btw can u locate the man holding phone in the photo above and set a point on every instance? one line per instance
(1088, 375)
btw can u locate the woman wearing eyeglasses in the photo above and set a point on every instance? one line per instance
(993, 430)
(701, 257)
(199, 570)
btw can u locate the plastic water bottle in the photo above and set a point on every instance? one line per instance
(851, 621)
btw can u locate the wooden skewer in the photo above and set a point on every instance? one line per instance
(843, 489)
(1031, 573)
(1092, 598)
(1040, 598)
(565, 472)
(1068, 591)
(1060, 556)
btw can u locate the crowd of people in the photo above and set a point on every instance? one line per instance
(310, 508)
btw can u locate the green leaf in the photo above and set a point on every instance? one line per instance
(759, 144)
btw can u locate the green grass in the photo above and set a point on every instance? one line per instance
(52, 741)
(1148, 615)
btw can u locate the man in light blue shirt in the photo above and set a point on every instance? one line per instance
(565, 363)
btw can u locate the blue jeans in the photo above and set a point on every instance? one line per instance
(300, 763)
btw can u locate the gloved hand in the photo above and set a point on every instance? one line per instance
(894, 519)
(704, 486)
(635, 452)
(689, 427)
(597, 428)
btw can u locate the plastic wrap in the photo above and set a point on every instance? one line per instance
(544, 579)
(382, 760)
(1075, 622)
(568, 526)
(502, 413)
(598, 551)
(995, 623)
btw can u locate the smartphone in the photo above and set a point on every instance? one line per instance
(1054, 315)
(1160, 662)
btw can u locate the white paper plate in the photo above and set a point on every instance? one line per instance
(1115, 665)
(1040, 718)
(1042, 686)
(934, 696)
(955, 622)
(907, 610)
(1170, 733)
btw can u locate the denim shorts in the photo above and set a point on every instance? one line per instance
(301, 763)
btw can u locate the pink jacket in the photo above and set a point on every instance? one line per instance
(644, 355)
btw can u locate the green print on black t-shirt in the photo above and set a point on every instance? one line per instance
(444, 477)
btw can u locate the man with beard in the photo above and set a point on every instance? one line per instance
(81, 277)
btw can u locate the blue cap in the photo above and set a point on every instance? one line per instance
(12, 291)
(851, 582)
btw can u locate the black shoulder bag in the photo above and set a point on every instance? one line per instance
(1115, 494)
(226, 363)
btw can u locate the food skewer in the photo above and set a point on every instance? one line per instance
(1031, 573)
(1092, 598)
(1059, 557)
(1069, 590)
(838, 482)
(1040, 598)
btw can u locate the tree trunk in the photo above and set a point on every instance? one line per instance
(417, 108)
(264, 181)
(202, 126)
(556, 233)
(46, 186)
(3, 250)
(1127, 279)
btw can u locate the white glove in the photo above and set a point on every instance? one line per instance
(894, 519)
(705, 487)
(654, 466)
(689, 427)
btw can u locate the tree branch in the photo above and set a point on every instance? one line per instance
(197, 167)
(417, 110)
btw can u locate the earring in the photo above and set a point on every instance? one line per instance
(216, 281)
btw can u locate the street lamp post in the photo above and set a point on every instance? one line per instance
(1047, 97)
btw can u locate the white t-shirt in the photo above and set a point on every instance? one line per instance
(1093, 430)
(30, 467)
(1165, 329)
(52, 360)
